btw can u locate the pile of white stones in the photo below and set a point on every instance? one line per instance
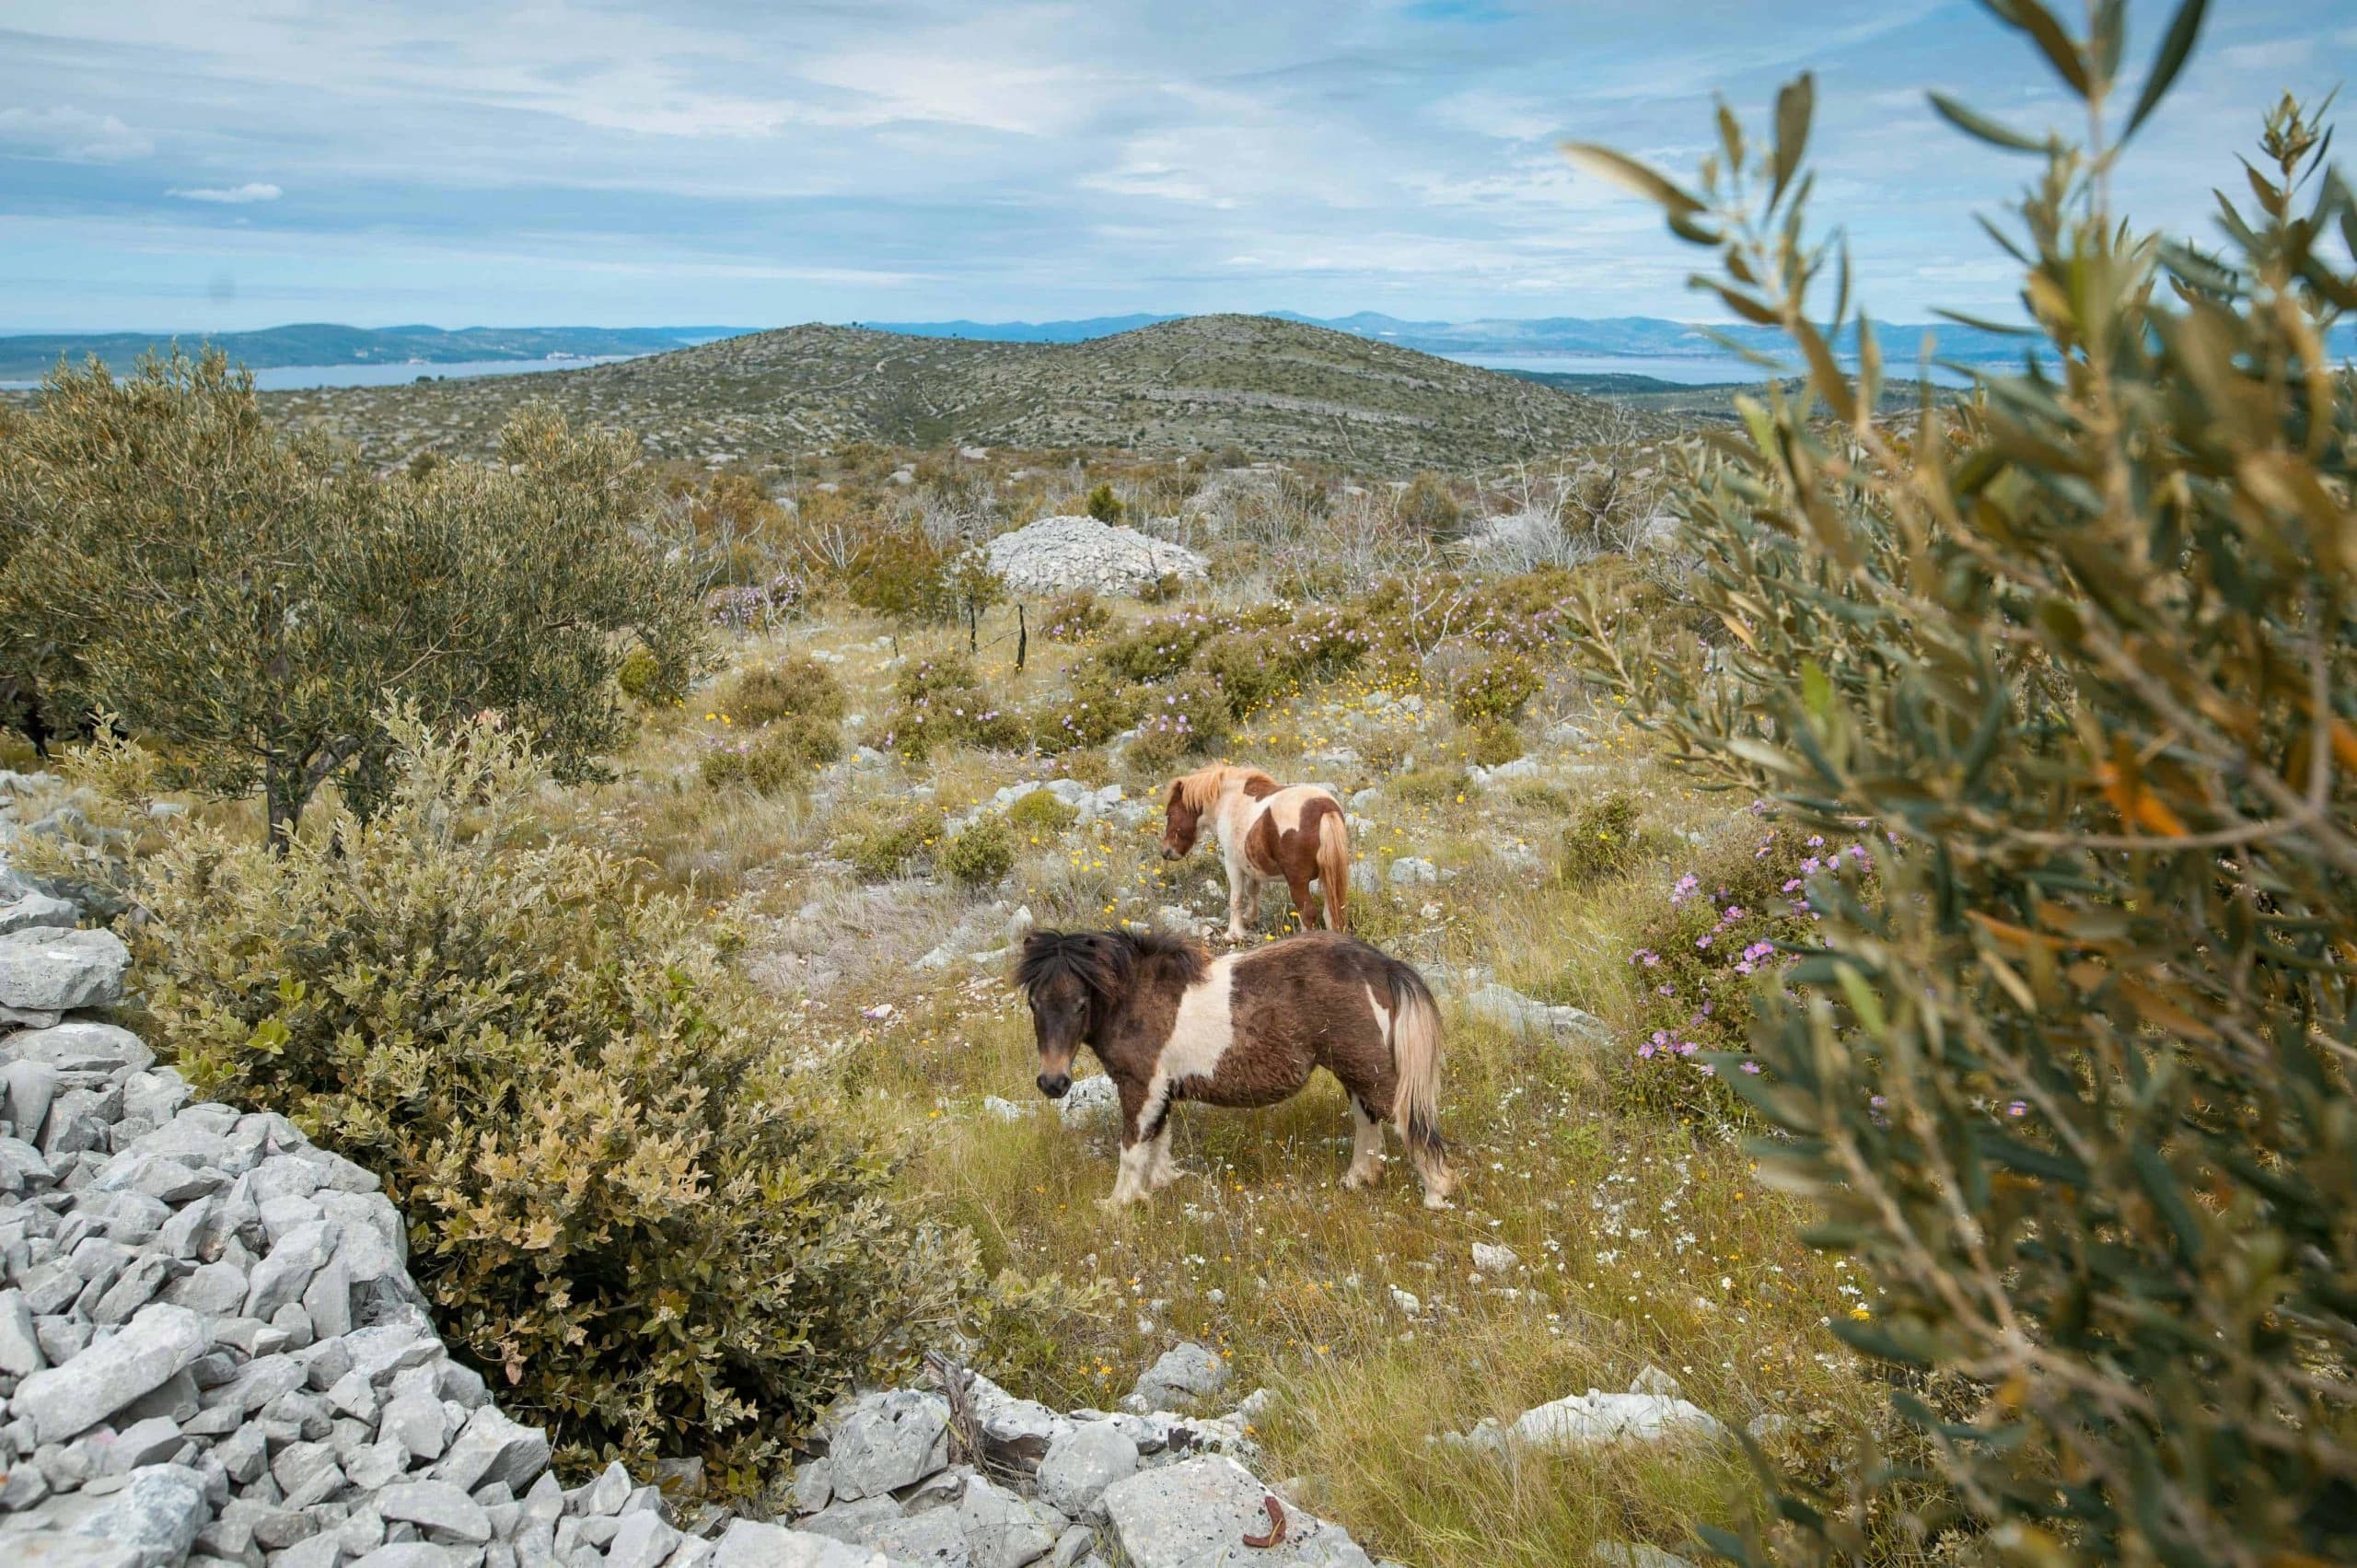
(899, 1479)
(1056, 554)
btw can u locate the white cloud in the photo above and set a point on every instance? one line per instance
(2273, 54)
(74, 134)
(232, 195)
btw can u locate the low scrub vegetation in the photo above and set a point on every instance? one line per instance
(650, 1227)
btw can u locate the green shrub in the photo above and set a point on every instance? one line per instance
(1496, 743)
(1159, 649)
(796, 685)
(941, 701)
(774, 758)
(1427, 506)
(892, 848)
(1097, 708)
(981, 853)
(903, 576)
(1602, 842)
(646, 679)
(1104, 506)
(1188, 717)
(2074, 1084)
(1074, 617)
(247, 598)
(1249, 677)
(1436, 784)
(648, 1231)
(1042, 814)
(1500, 687)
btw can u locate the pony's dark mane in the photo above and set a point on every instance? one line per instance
(1104, 961)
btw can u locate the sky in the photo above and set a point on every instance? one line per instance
(186, 166)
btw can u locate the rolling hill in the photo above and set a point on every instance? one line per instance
(1265, 386)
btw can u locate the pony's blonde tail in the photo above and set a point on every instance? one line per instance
(1334, 869)
(1415, 1057)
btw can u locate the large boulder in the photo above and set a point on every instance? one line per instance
(1083, 1463)
(45, 970)
(1196, 1515)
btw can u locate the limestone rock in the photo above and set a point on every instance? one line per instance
(890, 1441)
(1195, 1514)
(1184, 1374)
(1003, 1531)
(65, 1400)
(1082, 1464)
(747, 1544)
(156, 1514)
(43, 969)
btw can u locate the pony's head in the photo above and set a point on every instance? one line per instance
(1070, 978)
(1183, 817)
(1198, 793)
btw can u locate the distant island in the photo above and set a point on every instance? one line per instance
(28, 357)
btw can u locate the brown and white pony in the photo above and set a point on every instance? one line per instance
(1267, 832)
(1172, 1023)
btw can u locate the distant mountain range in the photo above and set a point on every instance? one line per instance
(309, 344)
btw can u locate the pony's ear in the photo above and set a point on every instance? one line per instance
(1178, 794)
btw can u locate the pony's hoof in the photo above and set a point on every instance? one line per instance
(1354, 1179)
(1437, 1200)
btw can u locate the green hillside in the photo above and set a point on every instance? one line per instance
(1269, 387)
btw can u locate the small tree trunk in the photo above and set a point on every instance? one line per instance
(1022, 635)
(284, 794)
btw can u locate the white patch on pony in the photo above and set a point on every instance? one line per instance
(1382, 1014)
(1203, 1030)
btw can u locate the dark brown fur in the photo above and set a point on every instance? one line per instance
(1295, 1007)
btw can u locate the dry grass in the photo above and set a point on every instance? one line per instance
(1641, 1239)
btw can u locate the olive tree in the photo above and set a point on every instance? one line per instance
(2078, 1084)
(248, 601)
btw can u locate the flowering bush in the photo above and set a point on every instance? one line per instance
(771, 759)
(1097, 708)
(1726, 929)
(942, 703)
(1073, 617)
(1500, 687)
(1187, 718)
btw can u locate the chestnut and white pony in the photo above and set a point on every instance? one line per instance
(1267, 832)
(1171, 1023)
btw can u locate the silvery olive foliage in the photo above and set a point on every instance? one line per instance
(2073, 1081)
(247, 600)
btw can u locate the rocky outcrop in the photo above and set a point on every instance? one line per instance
(990, 1480)
(1058, 554)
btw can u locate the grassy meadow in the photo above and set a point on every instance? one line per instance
(1641, 1233)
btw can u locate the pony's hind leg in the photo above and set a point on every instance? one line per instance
(1366, 1146)
(1431, 1168)
(1305, 902)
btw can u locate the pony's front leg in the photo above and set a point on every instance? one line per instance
(1240, 887)
(1161, 1171)
(1137, 1164)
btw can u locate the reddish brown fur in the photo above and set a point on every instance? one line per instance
(1301, 850)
